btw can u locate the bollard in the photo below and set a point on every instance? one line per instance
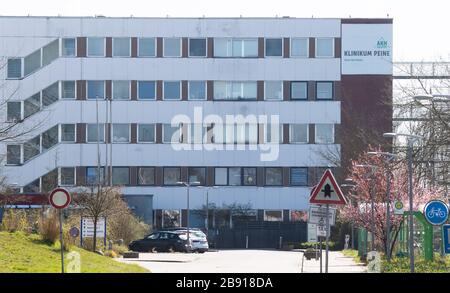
(281, 242)
(246, 241)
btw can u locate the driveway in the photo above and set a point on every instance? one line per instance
(242, 261)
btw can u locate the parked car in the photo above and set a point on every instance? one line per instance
(162, 241)
(198, 239)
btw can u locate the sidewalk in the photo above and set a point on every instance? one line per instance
(337, 263)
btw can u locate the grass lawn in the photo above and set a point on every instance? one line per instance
(29, 254)
(352, 253)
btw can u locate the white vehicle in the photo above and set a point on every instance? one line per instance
(199, 242)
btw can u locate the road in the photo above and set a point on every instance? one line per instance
(242, 261)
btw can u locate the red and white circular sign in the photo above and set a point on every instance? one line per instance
(59, 198)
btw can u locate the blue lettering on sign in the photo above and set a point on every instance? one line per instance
(445, 238)
(436, 212)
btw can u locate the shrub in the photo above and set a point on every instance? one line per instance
(119, 249)
(15, 220)
(49, 227)
(111, 253)
(126, 226)
(306, 245)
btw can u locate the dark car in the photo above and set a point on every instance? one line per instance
(161, 241)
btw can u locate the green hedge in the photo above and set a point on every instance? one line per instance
(305, 245)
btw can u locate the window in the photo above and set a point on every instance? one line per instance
(68, 47)
(32, 105)
(146, 90)
(274, 176)
(197, 175)
(96, 47)
(121, 90)
(32, 62)
(14, 68)
(172, 90)
(299, 90)
(50, 94)
(298, 133)
(273, 90)
(299, 176)
(227, 90)
(147, 47)
(274, 47)
(121, 133)
(324, 90)
(92, 175)
(171, 134)
(95, 89)
(324, 133)
(299, 47)
(50, 52)
(50, 138)
(273, 133)
(220, 176)
(121, 47)
(31, 148)
(225, 47)
(49, 181)
(68, 89)
(13, 154)
(172, 47)
(32, 187)
(146, 132)
(249, 176)
(146, 176)
(171, 218)
(197, 90)
(197, 47)
(67, 176)
(196, 133)
(67, 132)
(324, 47)
(172, 176)
(234, 176)
(120, 176)
(92, 131)
(14, 111)
(273, 216)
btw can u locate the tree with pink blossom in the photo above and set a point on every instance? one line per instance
(358, 209)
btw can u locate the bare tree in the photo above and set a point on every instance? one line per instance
(97, 202)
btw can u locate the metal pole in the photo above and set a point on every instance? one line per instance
(320, 254)
(207, 212)
(372, 208)
(388, 216)
(410, 194)
(98, 142)
(327, 238)
(61, 240)
(187, 220)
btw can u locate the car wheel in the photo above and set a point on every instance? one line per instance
(152, 250)
(171, 249)
(201, 251)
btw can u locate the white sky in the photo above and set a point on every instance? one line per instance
(420, 27)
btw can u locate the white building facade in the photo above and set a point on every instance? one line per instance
(147, 97)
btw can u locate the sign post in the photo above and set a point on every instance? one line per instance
(327, 192)
(60, 199)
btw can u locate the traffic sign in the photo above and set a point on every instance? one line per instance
(87, 227)
(436, 212)
(312, 232)
(74, 232)
(398, 208)
(317, 215)
(321, 231)
(445, 238)
(327, 191)
(59, 198)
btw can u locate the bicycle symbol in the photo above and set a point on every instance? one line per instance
(436, 212)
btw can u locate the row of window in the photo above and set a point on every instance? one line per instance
(172, 47)
(146, 133)
(171, 176)
(171, 90)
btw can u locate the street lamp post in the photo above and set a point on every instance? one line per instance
(389, 157)
(411, 140)
(188, 184)
(372, 201)
(351, 224)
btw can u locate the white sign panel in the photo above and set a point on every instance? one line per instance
(317, 215)
(312, 232)
(87, 227)
(366, 49)
(321, 231)
(398, 208)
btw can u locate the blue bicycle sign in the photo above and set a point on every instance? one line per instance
(436, 212)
